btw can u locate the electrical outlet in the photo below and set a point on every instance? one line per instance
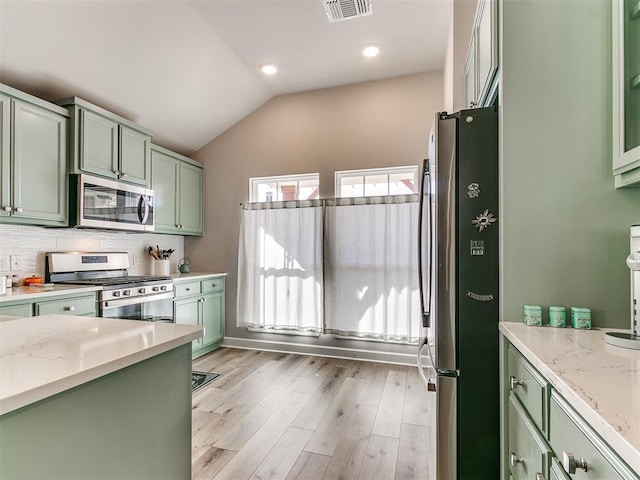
(16, 263)
(4, 263)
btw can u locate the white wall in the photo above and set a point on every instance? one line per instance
(374, 124)
(31, 243)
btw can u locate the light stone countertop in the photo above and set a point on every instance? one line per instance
(35, 293)
(43, 356)
(184, 277)
(600, 381)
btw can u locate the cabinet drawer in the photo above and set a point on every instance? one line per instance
(213, 285)
(528, 453)
(186, 289)
(569, 433)
(530, 388)
(71, 306)
(23, 310)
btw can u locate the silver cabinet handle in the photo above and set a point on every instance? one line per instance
(117, 172)
(569, 463)
(516, 382)
(515, 459)
(123, 175)
(473, 104)
(214, 285)
(539, 476)
(187, 289)
(70, 309)
(19, 209)
(7, 208)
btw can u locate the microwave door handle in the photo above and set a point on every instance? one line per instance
(144, 216)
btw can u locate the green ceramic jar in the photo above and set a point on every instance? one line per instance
(532, 315)
(581, 317)
(557, 316)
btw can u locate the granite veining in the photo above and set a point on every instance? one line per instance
(43, 356)
(600, 381)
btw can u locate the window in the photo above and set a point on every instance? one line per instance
(377, 182)
(284, 187)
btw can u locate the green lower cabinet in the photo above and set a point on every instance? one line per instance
(201, 303)
(187, 312)
(528, 452)
(84, 305)
(23, 310)
(571, 437)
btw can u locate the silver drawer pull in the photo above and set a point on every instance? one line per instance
(516, 382)
(214, 285)
(569, 463)
(19, 209)
(7, 208)
(69, 309)
(515, 459)
(187, 289)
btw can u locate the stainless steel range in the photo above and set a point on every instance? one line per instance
(147, 298)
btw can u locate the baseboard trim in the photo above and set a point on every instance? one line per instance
(324, 351)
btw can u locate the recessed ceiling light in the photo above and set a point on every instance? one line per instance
(371, 50)
(268, 68)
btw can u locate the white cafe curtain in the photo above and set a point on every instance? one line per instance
(280, 274)
(371, 278)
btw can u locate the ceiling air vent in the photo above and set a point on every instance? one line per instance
(338, 10)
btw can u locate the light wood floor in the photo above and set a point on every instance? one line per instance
(284, 416)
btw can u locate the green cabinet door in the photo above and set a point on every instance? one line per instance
(39, 165)
(135, 150)
(98, 145)
(187, 312)
(165, 178)
(5, 160)
(177, 183)
(528, 453)
(212, 318)
(190, 200)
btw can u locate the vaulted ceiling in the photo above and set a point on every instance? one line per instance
(188, 70)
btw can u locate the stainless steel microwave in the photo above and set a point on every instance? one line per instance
(103, 203)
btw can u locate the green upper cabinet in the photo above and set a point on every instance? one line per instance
(626, 92)
(108, 145)
(33, 148)
(482, 58)
(177, 183)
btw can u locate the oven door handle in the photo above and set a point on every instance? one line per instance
(123, 302)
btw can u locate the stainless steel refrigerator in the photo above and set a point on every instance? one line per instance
(459, 285)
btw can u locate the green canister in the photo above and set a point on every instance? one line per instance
(581, 317)
(557, 316)
(532, 315)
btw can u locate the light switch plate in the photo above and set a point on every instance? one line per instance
(16, 263)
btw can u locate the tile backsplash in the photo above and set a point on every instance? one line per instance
(30, 244)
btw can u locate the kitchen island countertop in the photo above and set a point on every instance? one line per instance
(600, 381)
(43, 356)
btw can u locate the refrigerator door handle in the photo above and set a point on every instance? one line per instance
(428, 382)
(425, 195)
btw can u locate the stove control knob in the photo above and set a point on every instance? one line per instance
(163, 288)
(142, 290)
(126, 293)
(156, 289)
(116, 293)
